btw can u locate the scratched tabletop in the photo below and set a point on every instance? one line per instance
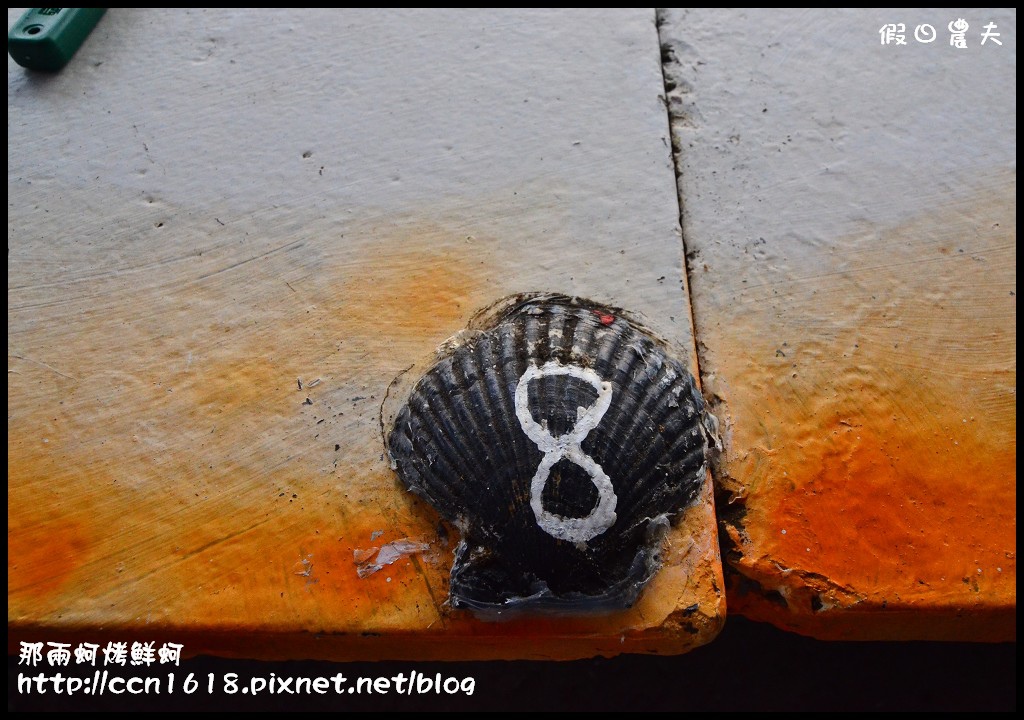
(850, 218)
(228, 232)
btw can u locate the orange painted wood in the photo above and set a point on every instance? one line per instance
(220, 267)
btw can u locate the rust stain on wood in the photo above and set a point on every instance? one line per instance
(179, 427)
(870, 396)
(413, 293)
(168, 473)
(43, 557)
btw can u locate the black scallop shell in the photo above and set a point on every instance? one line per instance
(575, 389)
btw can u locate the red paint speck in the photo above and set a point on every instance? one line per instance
(605, 319)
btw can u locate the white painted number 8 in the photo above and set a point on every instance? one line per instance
(567, 446)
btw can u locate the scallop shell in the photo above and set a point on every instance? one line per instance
(559, 439)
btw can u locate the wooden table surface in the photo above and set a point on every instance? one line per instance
(228, 233)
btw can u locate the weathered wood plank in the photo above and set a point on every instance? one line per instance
(849, 212)
(208, 208)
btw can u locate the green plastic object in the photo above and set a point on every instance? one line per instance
(46, 38)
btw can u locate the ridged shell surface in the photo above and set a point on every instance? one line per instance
(560, 440)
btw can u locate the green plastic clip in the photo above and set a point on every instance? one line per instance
(46, 38)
